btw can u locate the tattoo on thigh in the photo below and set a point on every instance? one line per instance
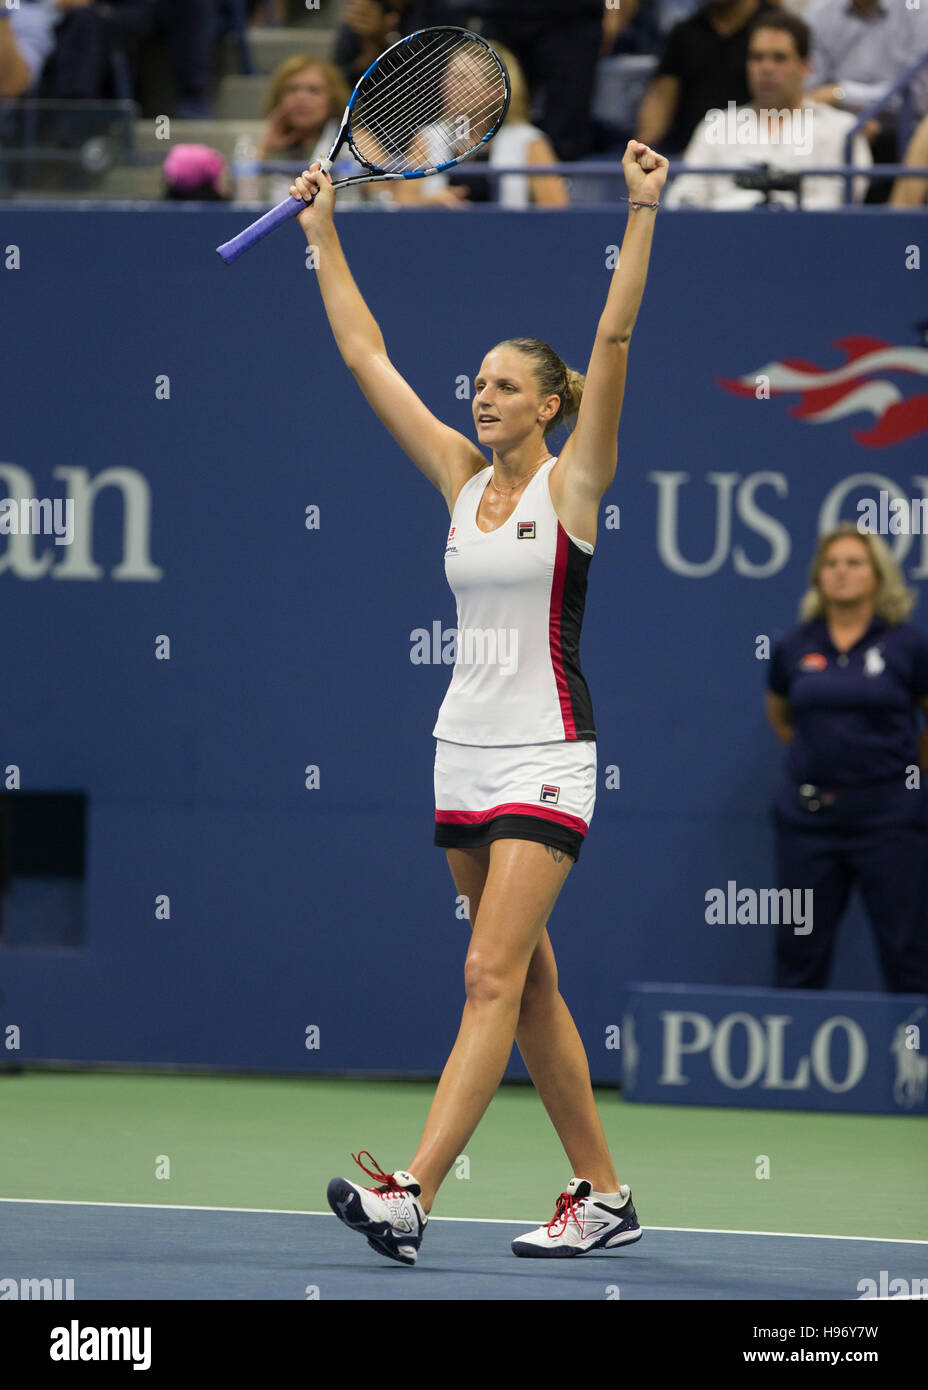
(556, 854)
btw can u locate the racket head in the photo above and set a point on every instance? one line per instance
(428, 102)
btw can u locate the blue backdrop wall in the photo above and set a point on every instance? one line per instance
(209, 407)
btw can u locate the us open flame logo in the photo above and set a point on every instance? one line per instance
(859, 385)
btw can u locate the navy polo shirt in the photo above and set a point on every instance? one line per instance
(855, 714)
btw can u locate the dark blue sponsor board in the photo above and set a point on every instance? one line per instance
(290, 569)
(775, 1049)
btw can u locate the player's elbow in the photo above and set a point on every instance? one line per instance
(616, 337)
(362, 355)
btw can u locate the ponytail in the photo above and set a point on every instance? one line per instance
(554, 378)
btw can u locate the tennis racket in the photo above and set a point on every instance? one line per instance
(428, 102)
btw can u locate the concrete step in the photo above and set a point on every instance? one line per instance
(63, 182)
(221, 135)
(270, 47)
(240, 97)
(123, 181)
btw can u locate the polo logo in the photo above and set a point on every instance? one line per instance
(526, 530)
(813, 661)
(874, 665)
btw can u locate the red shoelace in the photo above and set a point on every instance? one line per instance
(388, 1181)
(564, 1211)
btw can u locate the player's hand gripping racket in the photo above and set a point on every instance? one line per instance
(428, 102)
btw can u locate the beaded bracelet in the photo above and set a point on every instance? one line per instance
(633, 204)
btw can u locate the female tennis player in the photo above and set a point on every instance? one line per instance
(515, 764)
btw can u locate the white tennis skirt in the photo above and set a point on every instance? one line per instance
(530, 791)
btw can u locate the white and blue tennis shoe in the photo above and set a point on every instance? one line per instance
(583, 1221)
(390, 1216)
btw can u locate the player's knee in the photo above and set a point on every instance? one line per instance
(487, 979)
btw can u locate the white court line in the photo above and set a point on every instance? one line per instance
(480, 1220)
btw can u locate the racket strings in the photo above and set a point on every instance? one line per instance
(432, 101)
(394, 137)
(409, 75)
(410, 91)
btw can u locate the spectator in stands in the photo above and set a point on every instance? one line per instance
(370, 26)
(642, 26)
(913, 192)
(91, 32)
(517, 142)
(557, 44)
(779, 128)
(859, 48)
(365, 32)
(304, 100)
(702, 68)
(622, 28)
(303, 106)
(27, 37)
(196, 173)
(192, 28)
(80, 68)
(846, 694)
(659, 17)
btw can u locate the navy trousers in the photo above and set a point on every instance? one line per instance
(877, 841)
(79, 66)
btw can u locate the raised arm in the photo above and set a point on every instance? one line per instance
(446, 457)
(591, 452)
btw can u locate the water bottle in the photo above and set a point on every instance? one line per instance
(245, 170)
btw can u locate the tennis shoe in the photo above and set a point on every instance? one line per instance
(390, 1215)
(583, 1221)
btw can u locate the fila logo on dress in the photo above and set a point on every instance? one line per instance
(526, 530)
(549, 793)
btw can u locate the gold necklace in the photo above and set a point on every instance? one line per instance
(502, 491)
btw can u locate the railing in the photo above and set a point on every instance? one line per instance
(95, 154)
(766, 178)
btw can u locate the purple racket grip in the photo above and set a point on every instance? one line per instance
(231, 250)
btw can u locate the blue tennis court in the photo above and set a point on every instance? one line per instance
(157, 1252)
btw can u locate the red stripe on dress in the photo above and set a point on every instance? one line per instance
(554, 632)
(512, 808)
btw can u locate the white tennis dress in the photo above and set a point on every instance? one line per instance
(515, 738)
